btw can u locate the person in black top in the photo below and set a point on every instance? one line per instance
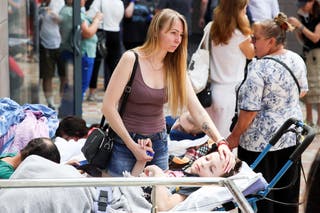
(137, 17)
(308, 31)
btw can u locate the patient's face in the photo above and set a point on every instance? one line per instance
(208, 166)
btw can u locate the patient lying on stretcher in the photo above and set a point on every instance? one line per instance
(209, 165)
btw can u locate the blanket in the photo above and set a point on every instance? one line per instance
(209, 197)
(53, 200)
(130, 199)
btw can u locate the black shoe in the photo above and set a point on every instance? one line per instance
(51, 106)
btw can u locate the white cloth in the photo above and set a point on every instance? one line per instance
(178, 148)
(209, 197)
(226, 72)
(263, 9)
(70, 150)
(49, 34)
(130, 199)
(40, 200)
(113, 12)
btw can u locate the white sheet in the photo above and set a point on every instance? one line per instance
(70, 150)
(178, 148)
(209, 197)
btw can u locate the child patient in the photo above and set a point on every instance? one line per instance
(210, 165)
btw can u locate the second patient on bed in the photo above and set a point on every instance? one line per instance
(209, 165)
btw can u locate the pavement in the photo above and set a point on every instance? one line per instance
(92, 114)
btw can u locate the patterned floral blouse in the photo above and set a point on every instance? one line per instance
(271, 91)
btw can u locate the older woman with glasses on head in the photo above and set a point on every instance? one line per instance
(268, 97)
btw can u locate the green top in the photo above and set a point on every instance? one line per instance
(88, 45)
(6, 169)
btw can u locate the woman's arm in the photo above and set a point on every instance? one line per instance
(129, 9)
(87, 31)
(244, 120)
(113, 93)
(312, 36)
(203, 120)
(247, 48)
(166, 200)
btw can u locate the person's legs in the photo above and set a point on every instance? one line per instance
(113, 57)
(87, 66)
(94, 77)
(61, 72)
(309, 117)
(47, 69)
(318, 114)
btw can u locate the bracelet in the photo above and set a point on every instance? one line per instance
(301, 27)
(221, 142)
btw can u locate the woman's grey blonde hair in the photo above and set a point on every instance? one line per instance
(276, 28)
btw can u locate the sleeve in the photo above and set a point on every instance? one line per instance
(94, 8)
(300, 70)
(275, 8)
(251, 92)
(186, 190)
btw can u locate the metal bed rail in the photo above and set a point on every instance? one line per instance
(133, 181)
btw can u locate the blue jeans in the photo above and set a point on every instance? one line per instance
(122, 158)
(87, 67)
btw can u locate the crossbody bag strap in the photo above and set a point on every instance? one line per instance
(126, 92)
(290, 71)
(237, 92)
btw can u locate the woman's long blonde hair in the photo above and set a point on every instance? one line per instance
(227, 18)
(174, 64)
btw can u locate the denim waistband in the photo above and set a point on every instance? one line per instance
(153, 137)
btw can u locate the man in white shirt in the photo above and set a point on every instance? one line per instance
(263, 9)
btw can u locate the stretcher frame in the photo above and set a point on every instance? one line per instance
(305, 134)
(245, 205)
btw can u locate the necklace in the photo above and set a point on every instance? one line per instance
(153, 67)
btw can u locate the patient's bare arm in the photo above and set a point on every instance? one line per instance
(166, 200)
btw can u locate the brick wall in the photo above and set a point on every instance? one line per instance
(4, 69)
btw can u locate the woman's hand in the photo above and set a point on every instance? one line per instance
(226, 156)
(294, 22)
(143, 150)
(233, 141)
(154, 171)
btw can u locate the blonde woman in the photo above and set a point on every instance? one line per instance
(230, 48)
(160, 78)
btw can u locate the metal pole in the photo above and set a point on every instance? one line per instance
(132, 181)
(238, 196)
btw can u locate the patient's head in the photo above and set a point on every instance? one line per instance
(72, 127)
(211, 165)
(43, 147)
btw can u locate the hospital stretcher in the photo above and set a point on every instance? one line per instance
(304, 134)
(237, 194)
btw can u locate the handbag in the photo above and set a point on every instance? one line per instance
(102, 43)
(102, 48)
(234, 119)
(205, 96)
(98, 146)
(198, 69)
